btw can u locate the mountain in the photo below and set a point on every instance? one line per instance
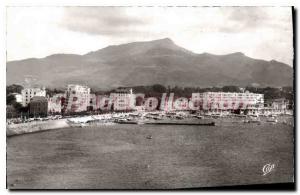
(146, 63)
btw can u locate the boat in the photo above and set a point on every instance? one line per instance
(83, 125)
(217, 115)
(181, 123)
(197, 116)
(154, 114)
(252, 120)
(127, 122)
(140, 122)
(76, 124)
(240, 115)
(157, 118)
(179, 117)
(272, 120)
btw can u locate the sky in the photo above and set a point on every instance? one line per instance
(258, 32)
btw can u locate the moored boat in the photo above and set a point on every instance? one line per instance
(272, 120)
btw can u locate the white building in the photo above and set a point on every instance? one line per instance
(226, 100)
(229, 100)
(29, 93)
(55, 103)
(77, 98)
(170, 103)
(277, 106)
(18, 97)
(123, 99)
(167, 102)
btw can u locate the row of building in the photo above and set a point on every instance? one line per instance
(78, 98)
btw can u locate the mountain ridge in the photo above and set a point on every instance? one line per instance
(150, 62)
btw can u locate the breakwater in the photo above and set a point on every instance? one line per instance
(183, 123)
(35, 126)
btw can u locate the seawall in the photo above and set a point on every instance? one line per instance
(35, 126)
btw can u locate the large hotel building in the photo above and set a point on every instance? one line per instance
(77, 98)
(227, 100)
(29, 93)
(123, 99)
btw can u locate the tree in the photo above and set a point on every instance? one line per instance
(10, 99)
(54, 91)
(13, 89)
(159, 88)
(17, 106)
(230, 89)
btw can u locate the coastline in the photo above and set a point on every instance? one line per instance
(38, 126)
